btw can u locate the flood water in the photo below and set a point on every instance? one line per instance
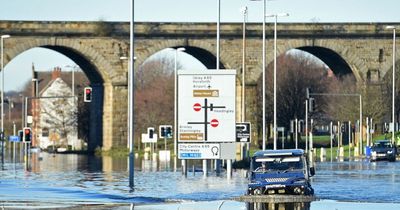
(80, 179)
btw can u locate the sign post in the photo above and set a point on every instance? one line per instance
(206, 114)
(243, 136)
(243, 132)
(207, 106)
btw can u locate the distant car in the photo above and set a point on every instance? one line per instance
(280, 172)
(383, 150)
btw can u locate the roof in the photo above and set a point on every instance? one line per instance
(282, 152)
(58, 81)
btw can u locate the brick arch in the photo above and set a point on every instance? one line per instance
(226, 60)
(355, 63)
(97, 70)
(387, 68)
(73, 50)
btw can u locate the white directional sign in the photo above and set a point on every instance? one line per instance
(147, 139)
(206, 106)
(199, 151)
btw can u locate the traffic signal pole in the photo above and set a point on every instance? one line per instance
(165, 143)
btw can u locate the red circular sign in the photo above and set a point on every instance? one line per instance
(197, 107)
(214, 123)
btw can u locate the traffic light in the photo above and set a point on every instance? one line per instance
(87, 94)
(162, 132)
(27, 134)
(150, 131)
(169, 132)
(21, 135)
(311, 105)
(165, 131)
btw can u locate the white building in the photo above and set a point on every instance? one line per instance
(58, 115)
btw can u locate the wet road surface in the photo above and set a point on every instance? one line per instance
(81, 180)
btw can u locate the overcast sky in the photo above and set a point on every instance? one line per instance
(176, 11)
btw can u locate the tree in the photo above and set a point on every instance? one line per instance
(154, 94)
(295, 73)
(59, 114)
(343, 108)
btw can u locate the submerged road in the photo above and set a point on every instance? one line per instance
(78, 180)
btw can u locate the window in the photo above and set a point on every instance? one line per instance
(45, 132)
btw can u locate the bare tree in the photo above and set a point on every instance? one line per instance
(154, 94)
(59, 115)
(295, 73)
(343, 108)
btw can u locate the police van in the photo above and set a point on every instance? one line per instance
(280, 172)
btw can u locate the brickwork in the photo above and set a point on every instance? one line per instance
(98, 46)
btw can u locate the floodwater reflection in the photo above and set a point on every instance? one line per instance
(81, 178)
(278, 206)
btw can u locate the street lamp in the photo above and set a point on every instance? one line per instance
(36, 81)
(2, 88)
(218, 32)
(131, 96)
(73, 78)
(245, 13)
(394, 78)
(275, 38)
(22, 111)
(34, 103)
(181, 49)
(10, 106)
(263, 72)
(129, 144)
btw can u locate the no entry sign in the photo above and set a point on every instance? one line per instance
(214, 123)
(197, 107)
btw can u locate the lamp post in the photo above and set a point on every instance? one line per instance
(128, 140)
(2, 86)
(36, 81)
(73, 77)
(218, 32)
(393, 77)
(134, 59)
(10, 106)
(244, 12)
(131, 95)
(275, 38)
(181, 49)
(22, 111)
(34, 103)
(263, 72)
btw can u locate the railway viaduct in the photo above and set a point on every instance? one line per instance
(362, 49)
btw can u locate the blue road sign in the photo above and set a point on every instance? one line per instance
(14, 138)
(190, 155)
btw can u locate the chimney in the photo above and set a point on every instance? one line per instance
(56, 73)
